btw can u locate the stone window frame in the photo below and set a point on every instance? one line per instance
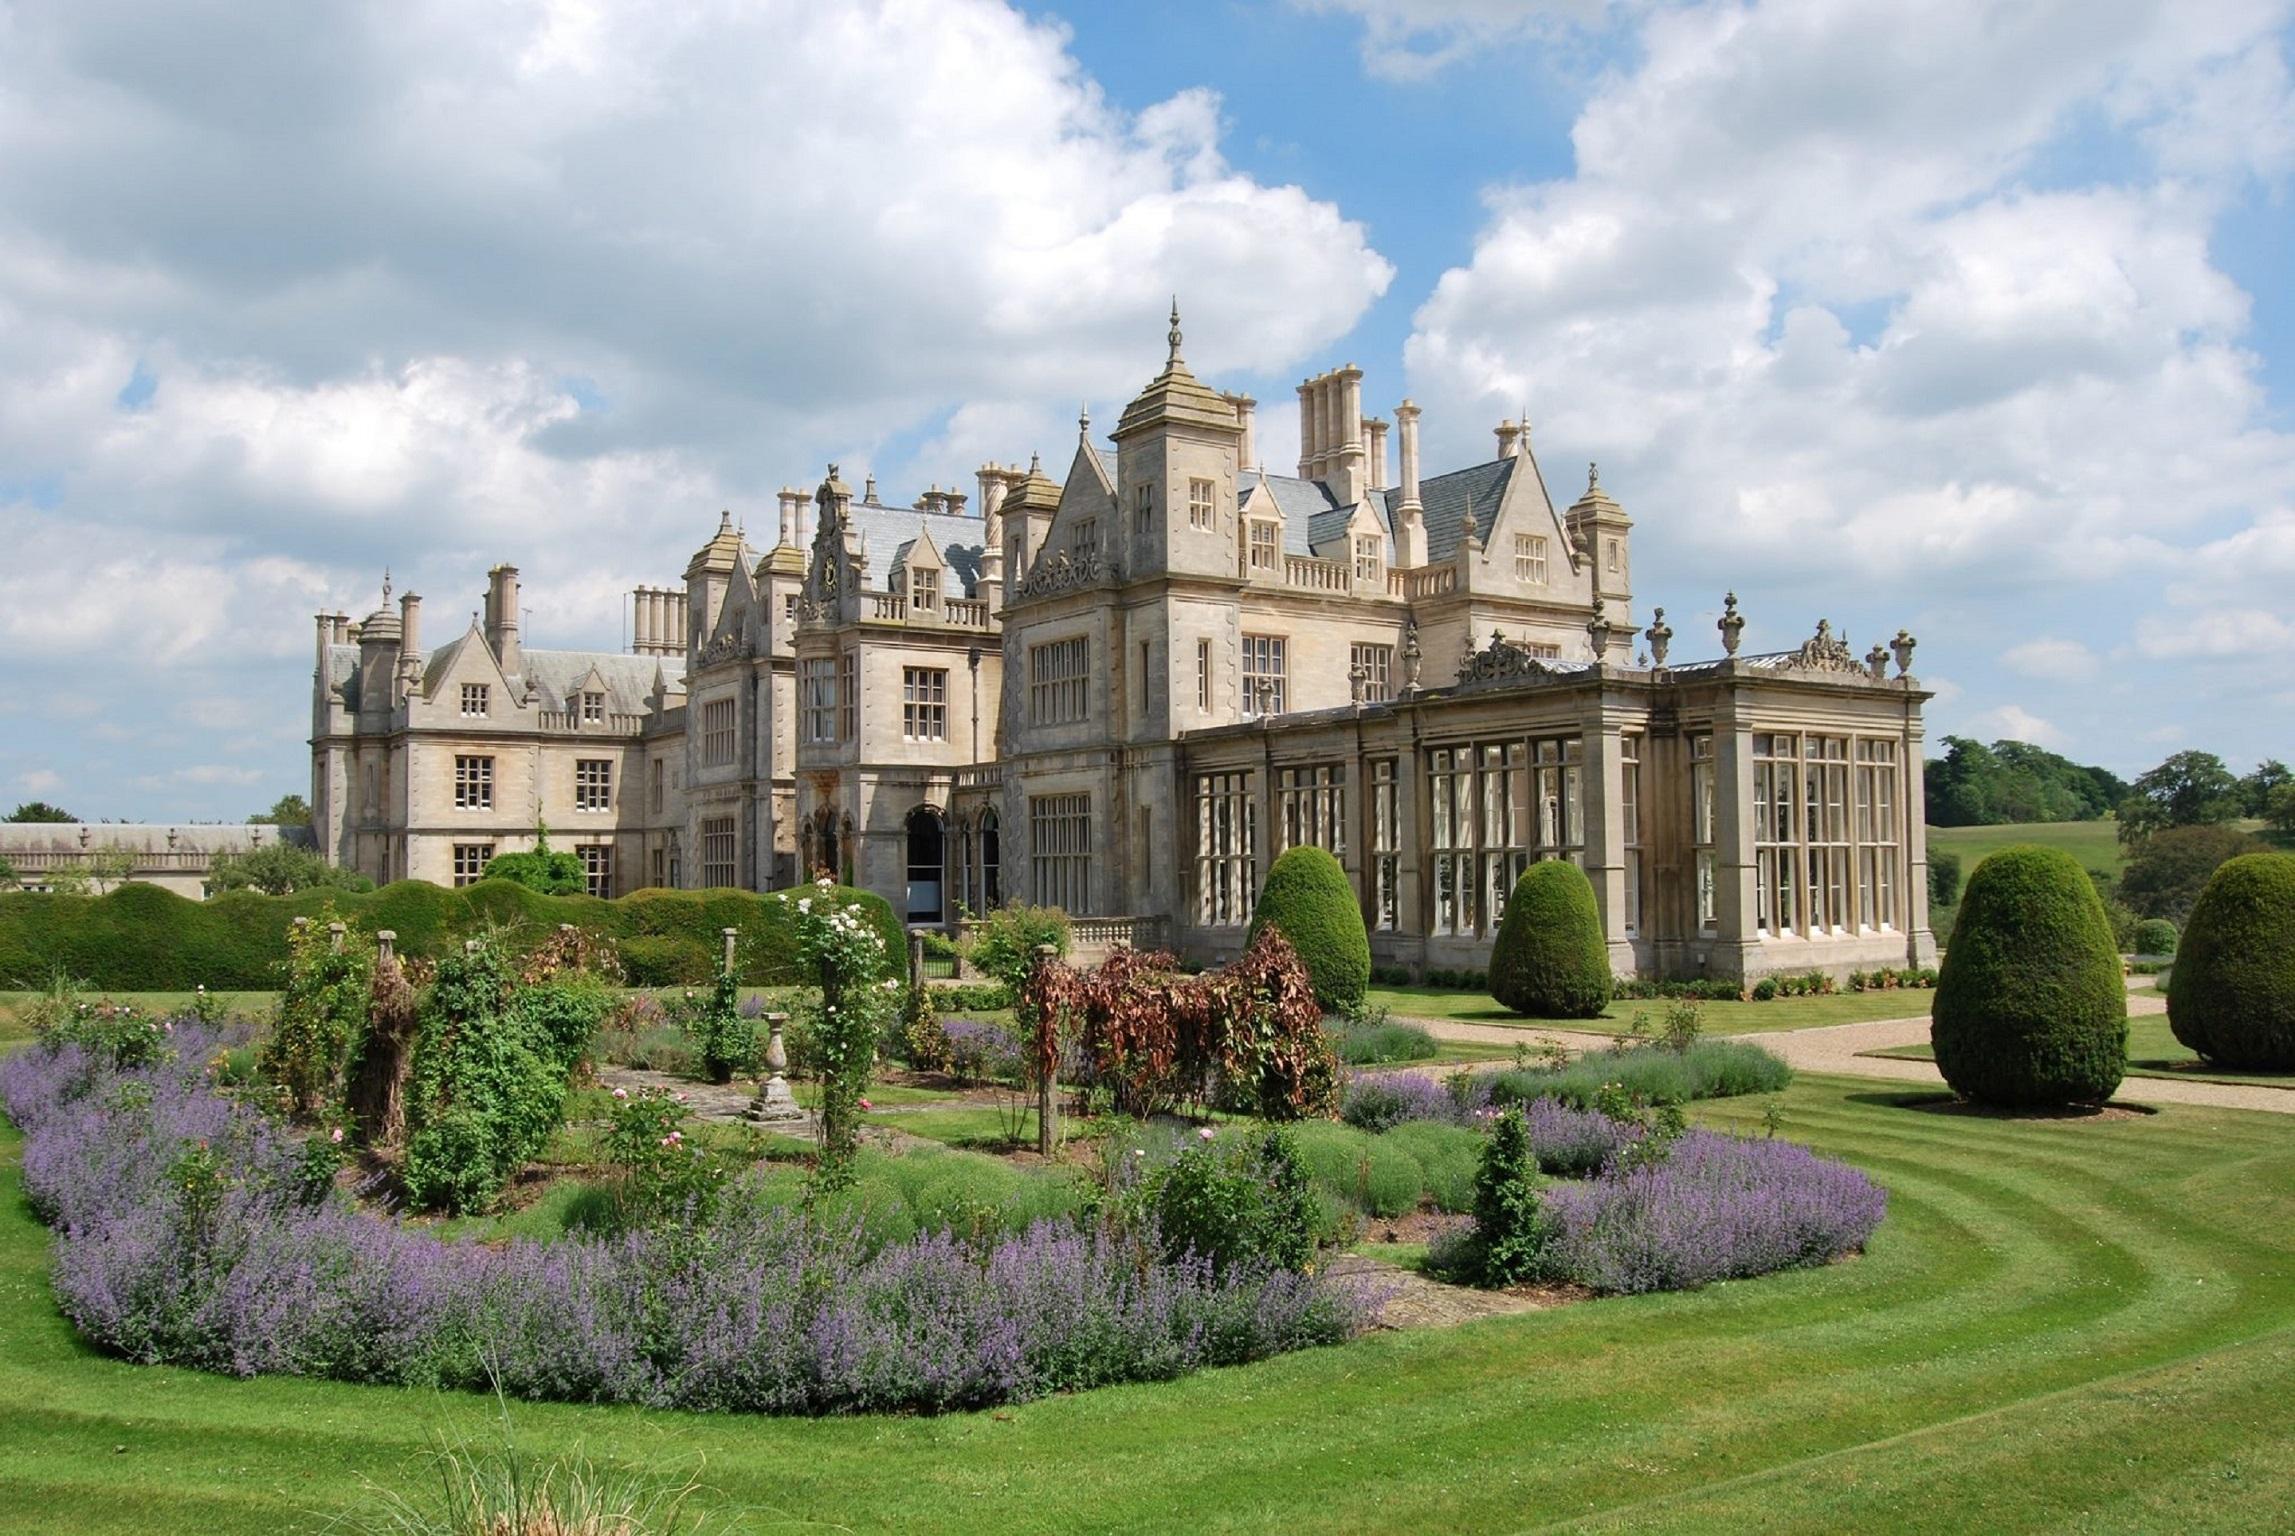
(924, 704)
(1310, 808)
(720, 731)
(1203, 674)
(817, 697)
(1370, 559)
(593, 784)
(1377, 659)
(1265, 658)
(597, 869)
(1226, 848)
(1530, 558)
(470, 861)
(1202, 502)
(1060, 851)
(477, 701)
(593, 709)
(473, 782)
(1143, 509)
(1630, 825)
(1880, 847)
(1386, 844)
(1703, 832)
(720, 851)
(657, 788)
(849, 694)
(924, 589)
(1264, 549)
(1060, 680)
(1499, 805)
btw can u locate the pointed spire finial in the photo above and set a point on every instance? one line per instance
(1084, 420)
(1173, 338)
(1035, 463)
(386, 586)
(1593, 476)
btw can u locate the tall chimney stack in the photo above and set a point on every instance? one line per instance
(409, 645)
(1246, 409)
(1375, 430)
(502, 619)
(1410, 533)
(1347, 434)
(1507, 432)
(788, 502)
(1307, 429)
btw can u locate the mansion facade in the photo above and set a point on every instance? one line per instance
(1124, 692)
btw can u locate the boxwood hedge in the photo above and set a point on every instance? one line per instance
(1307, 898)
(2030, 1008)
(2233, 995)
(140, 938)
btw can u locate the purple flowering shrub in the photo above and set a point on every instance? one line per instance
(1714, 1208)
(1564, 1139)
(981, 1050)
(190, 1231)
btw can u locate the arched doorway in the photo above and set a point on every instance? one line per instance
(927, 865)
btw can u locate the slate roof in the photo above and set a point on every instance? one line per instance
(552, 674)
(958, 536)
(1443, 501)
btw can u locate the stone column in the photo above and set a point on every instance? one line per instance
(1735, 907)
(1601, 785)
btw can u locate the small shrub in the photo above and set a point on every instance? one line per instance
(1371, 1174)
(1510, 1225)
(1371, 1037)
(321, 1019)
(2232, 997)
(1550, 960)
(1708, 1069)
(660, 1176)
(121, 1035)
(1308, 898)
(2155, 936)
(1447, 1157)
(969, 997)
(1004, 945)
(2031, 1009)
(1236, 1205)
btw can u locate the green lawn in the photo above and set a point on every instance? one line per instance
(2096, 844)
(2062, 1325)
(1721, 1018)
(2153, 1051)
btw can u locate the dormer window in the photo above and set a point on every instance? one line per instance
(1369, 557)
(474, 700)
(1529, 558)
(924, 590)
(1263, 545)
(1087, 534)
(1143, 509)
(593, 709)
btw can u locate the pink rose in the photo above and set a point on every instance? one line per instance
(1206, 1134)
(336, 1136)
(621, 1093)
(865, 1104)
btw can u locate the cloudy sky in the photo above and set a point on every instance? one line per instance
(1968, 317)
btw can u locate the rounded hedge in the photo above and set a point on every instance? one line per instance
(1308, 899)
(2030, 1006)
(2232, 997)
(2155, 936)
(1550, 960)
(141, 938)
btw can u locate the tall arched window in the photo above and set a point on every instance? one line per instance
(991, 886)
(927, 865)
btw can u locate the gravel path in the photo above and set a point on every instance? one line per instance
(1837, 1049)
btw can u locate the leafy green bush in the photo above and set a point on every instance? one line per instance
(1550, 960)
(1507, 1244)
(1708, 1069)
(1248, 1200)
(2232, 998)
(1943, 878)
(491, 1064)
(1372, 1036)
(1004, 945)
(1307, 898)
(321, 1018)
(2155, 936)
(969, 997)
(2168, 869)
(2030, 1008)
(281, 869)
(141, 938)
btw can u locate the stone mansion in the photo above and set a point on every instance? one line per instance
(1125, 691)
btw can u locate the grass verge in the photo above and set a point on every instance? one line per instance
(2153, 1051)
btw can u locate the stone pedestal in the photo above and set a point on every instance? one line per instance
(774, 1103)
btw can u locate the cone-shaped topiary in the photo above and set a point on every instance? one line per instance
(2232, 995)
(1550, 960)
(2030, 1008)
(1308, 899)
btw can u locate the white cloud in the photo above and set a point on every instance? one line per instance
(2013, 722)
(2057, 660)
(39, 781)
(2216, 633)
(430, 285)
(1415, 39)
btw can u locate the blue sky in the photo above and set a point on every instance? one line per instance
(1966, 317)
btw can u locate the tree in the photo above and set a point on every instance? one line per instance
(2011, 781)
(9, 879)
(1943, 878)
(1550, 960)
(2279, 810)
(2170, 868)
(2190, 789)
(41, 811)
(2030, 1007)
(1308, 899)
(2232, 997)
(286, 811)
(281, 869)
(107, 867)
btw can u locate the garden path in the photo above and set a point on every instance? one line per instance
(1415, 1301)
(1838, 1049)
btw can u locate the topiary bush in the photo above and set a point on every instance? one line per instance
(2030, 1009)
(1550, 960)
(2233, 995)
(2154, 936)
(1308, 899)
